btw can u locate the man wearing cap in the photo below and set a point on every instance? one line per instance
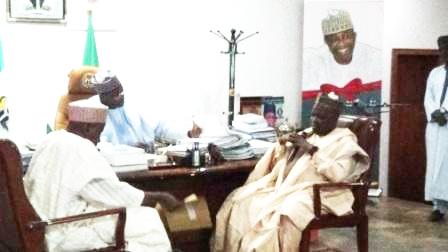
(68, 176)
(436, 107)
(126, 125)
(269, 212)
(343, 65)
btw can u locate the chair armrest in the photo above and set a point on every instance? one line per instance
(356, 187)
(119, 229)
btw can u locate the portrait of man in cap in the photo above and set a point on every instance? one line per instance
(341, 64)
(270, 114)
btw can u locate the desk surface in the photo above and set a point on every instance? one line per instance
(183, 171)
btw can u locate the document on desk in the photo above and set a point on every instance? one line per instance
(127, 158)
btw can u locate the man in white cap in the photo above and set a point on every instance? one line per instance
(343, 65)
(68, 176)
(436, 107)
(269, 212)
(126, 125)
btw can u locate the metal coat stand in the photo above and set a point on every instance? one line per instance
(232, 51)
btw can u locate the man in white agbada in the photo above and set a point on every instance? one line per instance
(126, 125)
(436, 106)
(269, 212)
(68, 176)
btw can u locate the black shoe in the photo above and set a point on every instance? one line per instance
(436, 216)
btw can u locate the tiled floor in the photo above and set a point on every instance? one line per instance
(394, 226)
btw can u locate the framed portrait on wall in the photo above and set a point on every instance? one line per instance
(42, 11)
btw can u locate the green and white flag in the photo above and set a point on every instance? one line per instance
(4, 114)
(90, 53)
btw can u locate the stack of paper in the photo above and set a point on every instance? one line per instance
(235, 147)
(259, 147)
(126, 158)
(255, 126)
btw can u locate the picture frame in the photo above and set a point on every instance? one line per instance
(38, 11)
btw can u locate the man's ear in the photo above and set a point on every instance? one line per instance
(85, 129)
(326, 40)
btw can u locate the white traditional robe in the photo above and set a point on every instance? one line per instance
(125, 125)
(60, 168)
(249, 219)
(436, 186)
(130, 125)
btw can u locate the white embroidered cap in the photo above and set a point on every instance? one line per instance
(88, 111)
(336, 21)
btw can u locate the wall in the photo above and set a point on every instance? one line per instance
(162, 51)
(407, 24)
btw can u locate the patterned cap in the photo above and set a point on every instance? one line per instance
(336, 21)
(443, 42)
(104, 82)
(87, 111)
(331, 99)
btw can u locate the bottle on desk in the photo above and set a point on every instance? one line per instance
(196, 155)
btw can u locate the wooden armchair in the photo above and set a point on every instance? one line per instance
(367, 130)
(21, 229)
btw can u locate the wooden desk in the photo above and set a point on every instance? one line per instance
(213, 182)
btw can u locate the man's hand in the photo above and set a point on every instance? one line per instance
(195, 131)
(438, 117)
(301, 146)
(149, 148)
(215, 154)
(167, 200)
(300, 142)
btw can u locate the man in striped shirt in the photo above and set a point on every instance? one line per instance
(68, 176)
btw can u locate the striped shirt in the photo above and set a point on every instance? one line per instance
(112, 193)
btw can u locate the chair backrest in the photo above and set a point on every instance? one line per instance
(76, 91)
(367, 130)
(16, 211)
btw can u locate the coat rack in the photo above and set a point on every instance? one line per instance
(232, 51)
